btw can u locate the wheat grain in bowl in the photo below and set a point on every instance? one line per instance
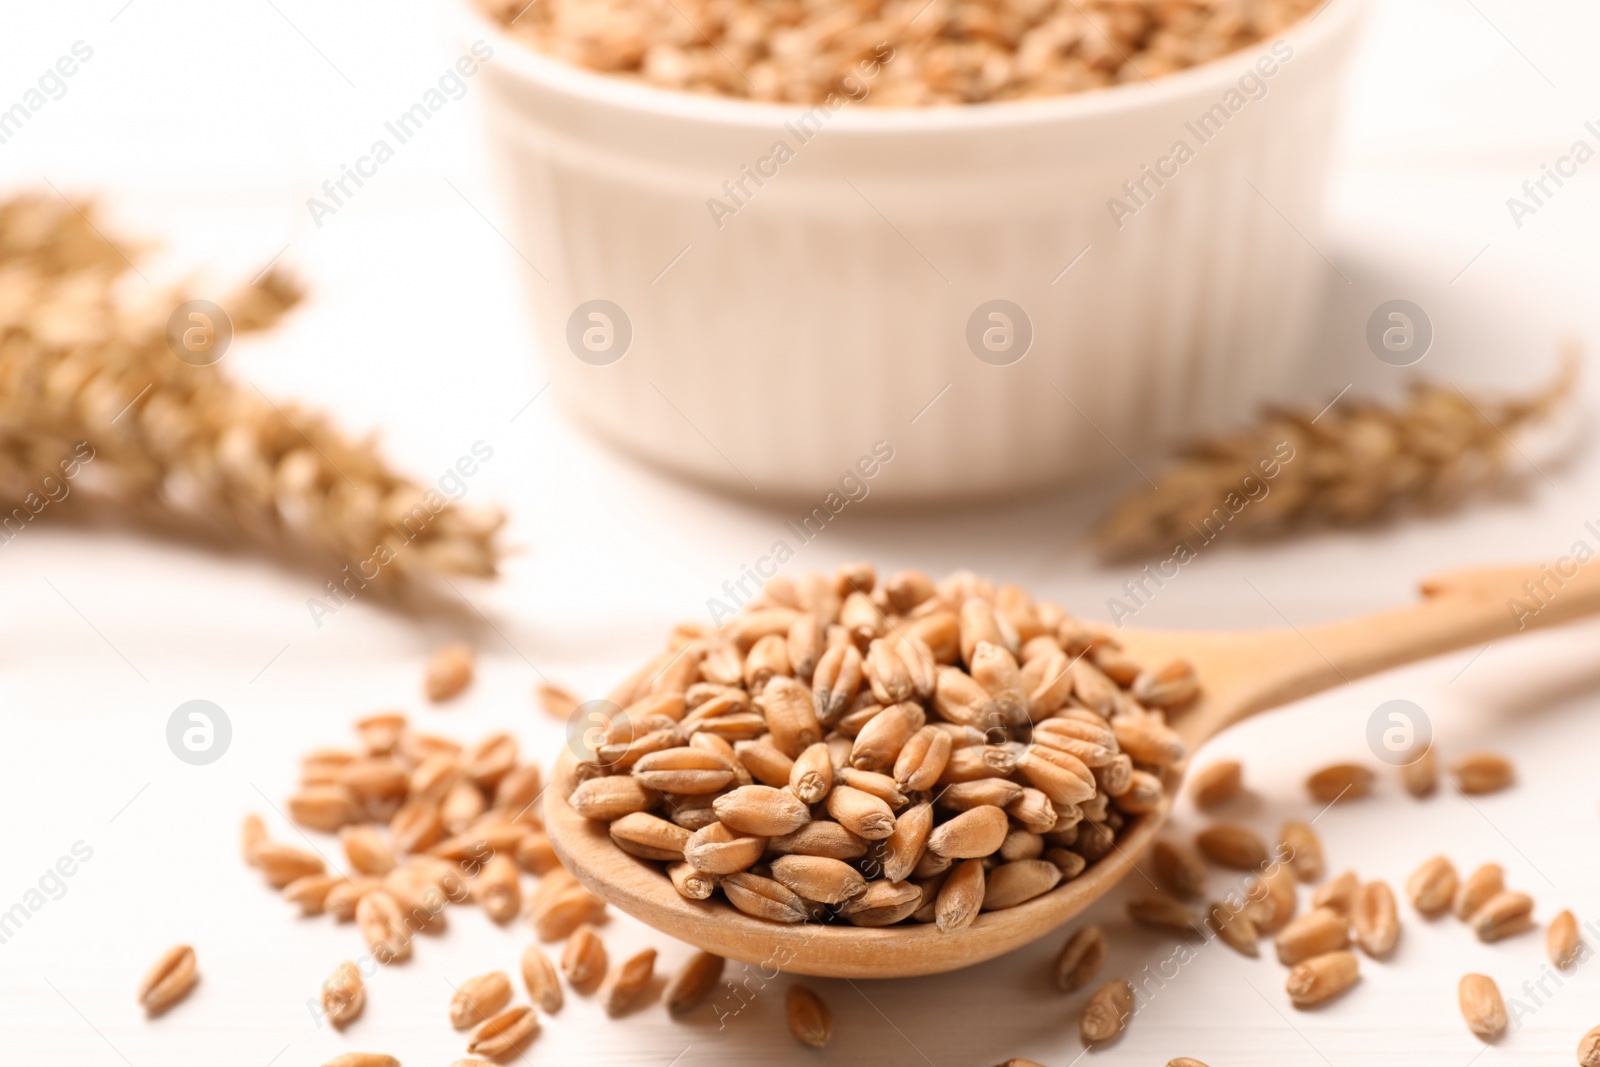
(851, 751)
(894, 53)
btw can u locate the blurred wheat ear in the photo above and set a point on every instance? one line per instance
(102, 416)
(1354, 463)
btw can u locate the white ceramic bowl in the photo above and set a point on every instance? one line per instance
(775, 340)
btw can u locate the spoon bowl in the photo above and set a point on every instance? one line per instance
(1241, 674)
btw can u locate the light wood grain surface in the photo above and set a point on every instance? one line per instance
(215, 122)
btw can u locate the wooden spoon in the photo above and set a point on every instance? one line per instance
(1241, 674)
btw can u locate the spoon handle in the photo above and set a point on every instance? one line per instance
(1458, 609)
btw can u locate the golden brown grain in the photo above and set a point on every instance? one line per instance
(1376, 919)
(1589, 1049)
(693, 983)
(378, 917)
(1421, 776)
(1337, 893)
(505, 1034)
(1271, 898)
(1106, 1013)
(314, 892)
(883, 904)
(539, 977)
(565, 912)
(716, 849)
(557, 702)
(1164, 912)
(1339, 782)
(1216, 784)
(612, 797)
(1322, 978)
(448, 673)
(864, 814)
(1017, 882)
(1503, 915)
(1232, 846)
(343, 897)
(827, 881)
(971, 834)
(366, 850)
(1080, 959)
(169, 980)
(1317, 932)
(1235, 927)
(281, 864)
(1301, 849)
(650, 837)
(479, 998)
(764, 898)
(1562, 940)
(535, 854)
(1477, 888)
(344, 995)
(1432, 887)
(583, 958)
(627, 982)
(810, 1021)
(960, 896)
(763, 811)
(1483, 772)
(252, 835)
(1482, 1006)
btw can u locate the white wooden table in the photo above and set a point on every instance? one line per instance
(213, 123)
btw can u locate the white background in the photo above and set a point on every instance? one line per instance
(209, 124)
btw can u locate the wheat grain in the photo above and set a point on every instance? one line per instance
(1432, 887)
(344, 995)
(1317, 932)
(1340, 782)
(539, 977)
(1232, 846)
(1483, 772)
(1376, 919)
(478, 999)
(627, 983)
(1482, 1006)
(1503, 915)
(169, 980)
(1322, 978)
(505, 1034)
(1080, 959)
(1301, 849)
(583, 959)
(1164, 912)
(1421, 776)
(1562, 940)
(448, 673)
(693, 983)
(1235, 928)
(1106, 1013)
(1477, 888)
(810, 1021)
(1589, 1049)
(1216, 784)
